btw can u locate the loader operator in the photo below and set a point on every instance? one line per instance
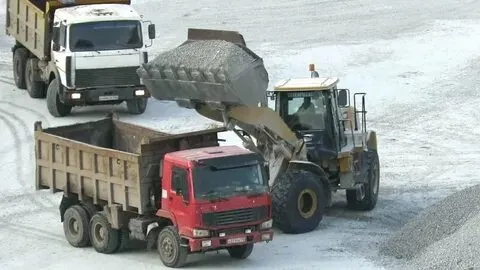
(307, 106)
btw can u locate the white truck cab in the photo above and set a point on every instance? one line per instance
(93, 53)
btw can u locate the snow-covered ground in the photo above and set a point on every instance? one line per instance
(417, 61)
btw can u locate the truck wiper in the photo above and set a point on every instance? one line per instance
(212, 195)
(251, 192)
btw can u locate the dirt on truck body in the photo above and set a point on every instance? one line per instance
(179, 192)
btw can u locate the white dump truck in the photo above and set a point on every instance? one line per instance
(79, 52)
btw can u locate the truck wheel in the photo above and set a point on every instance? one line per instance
(36, 89)
(19, 63)
(168, 246)
(104, 238)
(299, 200)
(137, 106)
(54, 105)
(240, 252)
(75, 226)
(371, 187)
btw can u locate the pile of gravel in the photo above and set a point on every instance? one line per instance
(435, 232)
(208, 70)
(461, 250)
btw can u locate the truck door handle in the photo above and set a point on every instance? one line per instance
(170, 198)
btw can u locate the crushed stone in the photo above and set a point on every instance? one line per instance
(433, 224)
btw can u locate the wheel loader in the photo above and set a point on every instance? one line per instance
(314, 141)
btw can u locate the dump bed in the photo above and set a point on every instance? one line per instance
(30, 21)
(109, 161)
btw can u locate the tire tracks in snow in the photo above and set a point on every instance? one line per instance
(18, 151)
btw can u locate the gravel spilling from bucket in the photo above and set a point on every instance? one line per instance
(429, 232)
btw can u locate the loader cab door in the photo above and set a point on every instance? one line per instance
(309, 115)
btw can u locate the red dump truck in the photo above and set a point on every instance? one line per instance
(179, 193)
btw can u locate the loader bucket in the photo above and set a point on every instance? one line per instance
(212, 66)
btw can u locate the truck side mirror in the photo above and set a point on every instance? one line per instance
(55, 46)
(151, 31)
(342, 98)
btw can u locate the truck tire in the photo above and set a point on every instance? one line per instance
(54, 105)
(171, 252)
(371, 186)
(75, 226)
(240, 252)
(20, 56)
(104, 238)
(36, 89)
(137, 106)
(299, 200)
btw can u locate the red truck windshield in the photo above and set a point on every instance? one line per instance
(99, 36)
(211, 183)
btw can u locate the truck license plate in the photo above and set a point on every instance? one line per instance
(236, 240)
(107, 98)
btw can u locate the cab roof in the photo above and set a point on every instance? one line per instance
(306, 84)
(204, 153)
(97, 12)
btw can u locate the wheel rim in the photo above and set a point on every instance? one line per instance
(307, 203)
(100, 232)
(168, 249)
(73, 226)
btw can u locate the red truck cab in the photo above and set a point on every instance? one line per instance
(216, 198)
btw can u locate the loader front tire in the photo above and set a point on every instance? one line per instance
(372, 185)
(105, 239)
(75, 226)
(299, 201)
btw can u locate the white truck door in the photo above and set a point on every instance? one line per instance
(58, 49)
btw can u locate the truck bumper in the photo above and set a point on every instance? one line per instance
(105, 95)
(216, 243)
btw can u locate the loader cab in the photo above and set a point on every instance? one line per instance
(310, 108)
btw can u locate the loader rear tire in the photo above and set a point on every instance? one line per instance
(105, 239)
(371, 186)
(75, 226)
(299, 201)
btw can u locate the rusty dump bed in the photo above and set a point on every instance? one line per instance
(109, 161)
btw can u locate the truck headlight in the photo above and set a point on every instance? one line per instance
(200, 233)
(266, 225)
(139, 92)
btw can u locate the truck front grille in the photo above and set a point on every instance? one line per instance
(106, 77)
(235, 216)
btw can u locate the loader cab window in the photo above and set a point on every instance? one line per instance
(304, 110)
